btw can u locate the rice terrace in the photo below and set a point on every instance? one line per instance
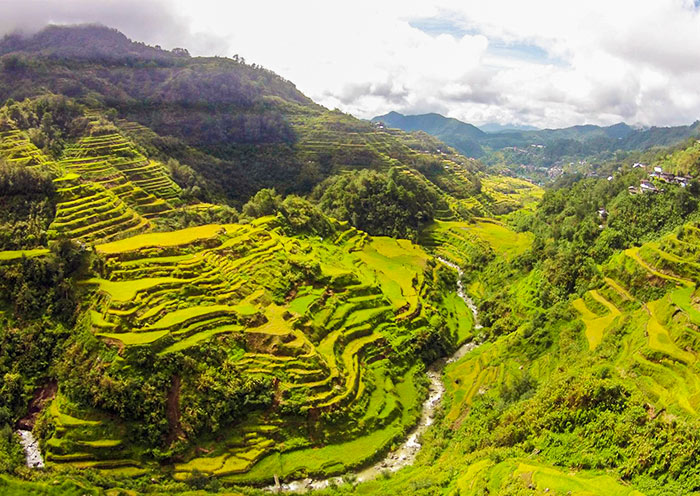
(211, 283)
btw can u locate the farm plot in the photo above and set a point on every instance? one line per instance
(654, 286)
(318, 318)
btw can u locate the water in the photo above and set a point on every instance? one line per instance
(405, 454)
(31, 449)
(460, 291)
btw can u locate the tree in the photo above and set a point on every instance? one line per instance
(396, 203)
(265, 202)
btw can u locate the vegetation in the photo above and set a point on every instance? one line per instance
(396, 203)
(539, 148)
(193, 305)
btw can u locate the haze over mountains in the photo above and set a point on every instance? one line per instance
(551, 145)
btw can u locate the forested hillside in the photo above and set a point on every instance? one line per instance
(241, 127)
(211, 284)
(539, 148)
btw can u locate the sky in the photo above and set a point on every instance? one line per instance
(546, 63)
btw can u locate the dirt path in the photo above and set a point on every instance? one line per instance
(173, 410)
(41, 398)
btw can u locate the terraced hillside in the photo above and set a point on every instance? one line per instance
(88, 211)
(105, 187)
(645, 308)
(650, 295)
(510, 411)
(16, 148)
(327, 323)
(472, 244)
(111, 159)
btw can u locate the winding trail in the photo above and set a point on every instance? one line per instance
(405, 454)
(31, 449)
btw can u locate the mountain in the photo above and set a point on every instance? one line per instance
(464, 137)
(435, 122)
(239, 126)
(142, 318)
(543, 147)
(85, 42)
(497, 128)
(377, 315)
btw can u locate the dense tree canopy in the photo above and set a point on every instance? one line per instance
(397, 203)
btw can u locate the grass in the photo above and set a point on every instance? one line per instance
(512, 190)
(63, 486)
(659, 338)
(200, 337)
(127, 290)
(582, 484)
(301, 304)
(596, 325)
(398, 267)
(633, 253)
(502, 239)
(165, 239)
(337, 457)
(135, 338)
(18, 254)
(682, 299)
(182, 315)
(460, 318)
(460, 242)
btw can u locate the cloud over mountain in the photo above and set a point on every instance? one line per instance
(546, 63)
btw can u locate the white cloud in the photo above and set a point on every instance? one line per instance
(544, 62)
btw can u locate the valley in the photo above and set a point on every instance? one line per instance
(210, 284)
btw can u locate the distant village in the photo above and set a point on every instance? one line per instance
(647, 186)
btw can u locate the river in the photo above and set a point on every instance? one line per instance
(405, 454)
(31, 449)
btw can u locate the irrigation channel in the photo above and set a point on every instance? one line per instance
(31, 449)
(405, 454)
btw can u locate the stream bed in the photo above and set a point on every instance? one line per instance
(31, 449)
(406, 453)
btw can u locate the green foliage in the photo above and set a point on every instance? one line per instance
(27, 203)
(397, 203)
(39, 286)
(264, 202)
(572, 237)
(11, 454)
(303, 216)
(50, 120)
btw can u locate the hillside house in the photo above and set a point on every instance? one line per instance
(632, 190)
(681, 180)
(648, 187)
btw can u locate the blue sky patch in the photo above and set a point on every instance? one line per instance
(435, 26)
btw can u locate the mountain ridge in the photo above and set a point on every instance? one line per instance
(577, 141)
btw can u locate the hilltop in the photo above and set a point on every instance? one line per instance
(462, 136)
(239, 126)
(544, 147)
